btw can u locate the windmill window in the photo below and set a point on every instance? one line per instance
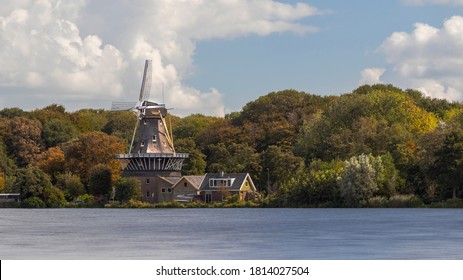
(144, 122)
(154, 138)
(142, 144)
(148, 181)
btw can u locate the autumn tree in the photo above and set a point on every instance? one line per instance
(22, 137)
(91, 149)
(52, 161)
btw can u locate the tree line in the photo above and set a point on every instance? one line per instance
(377, 146)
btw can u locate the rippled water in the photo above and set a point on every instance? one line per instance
(231, 234)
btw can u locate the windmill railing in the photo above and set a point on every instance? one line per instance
(152, 155)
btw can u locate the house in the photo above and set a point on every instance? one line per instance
(216, 186)
(157, 189)
(187, 188)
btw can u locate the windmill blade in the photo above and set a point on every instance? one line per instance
(146, 82)
(122, 106)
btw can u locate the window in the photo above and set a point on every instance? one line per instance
(154, 138)
(163, 190)
(169, 190)
(185, 185)
(147, 194)
(144, 122)
(221, 182)
(142, 144)
(148, 180)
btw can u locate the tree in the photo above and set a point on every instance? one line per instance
(100, 181)
(91, 149)
(283, 167)
(127, 189)
(33, 183)
(448, 168)
(57, 131)
(70, 184)
(23, 139)
(321, 187)
(52, 161)
(358, 181)
(121, 124)
(2, 181)
(88, 120)
(196, 162)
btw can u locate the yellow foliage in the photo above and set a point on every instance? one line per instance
(2, 181)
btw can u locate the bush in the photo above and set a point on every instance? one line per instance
(33, 202)
(377, 202)
(450, 203)
(404, 201)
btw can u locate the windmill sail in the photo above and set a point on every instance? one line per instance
(146, 82)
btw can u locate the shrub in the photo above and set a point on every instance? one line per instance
(33, 202)
(404, 201)
(377, 202)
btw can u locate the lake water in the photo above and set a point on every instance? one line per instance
(231, 234)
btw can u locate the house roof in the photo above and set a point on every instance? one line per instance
(236, 186)
(195, 181)
(171, 180)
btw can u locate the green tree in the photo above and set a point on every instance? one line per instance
(127, 189)
(100, 182)
(121, 125)
(31, 181)
(448, 168)
(88, 120)
(196, 162)
(70, 184)
(34, 185)
(57, 131)
(282, 167)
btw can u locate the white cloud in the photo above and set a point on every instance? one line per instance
(41, 47)
(429, 58)
(43, 51)
(371, 76)
(432, 2)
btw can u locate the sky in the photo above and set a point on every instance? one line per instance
(213, 57)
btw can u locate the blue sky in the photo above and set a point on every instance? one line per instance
(213, 57)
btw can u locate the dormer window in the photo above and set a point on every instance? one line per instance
(222, 182)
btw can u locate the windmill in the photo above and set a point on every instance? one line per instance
(153, 154)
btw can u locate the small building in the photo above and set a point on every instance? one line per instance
(215, 187)
(187, 188)
(157, 189)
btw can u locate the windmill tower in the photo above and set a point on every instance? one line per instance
(152, 158)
